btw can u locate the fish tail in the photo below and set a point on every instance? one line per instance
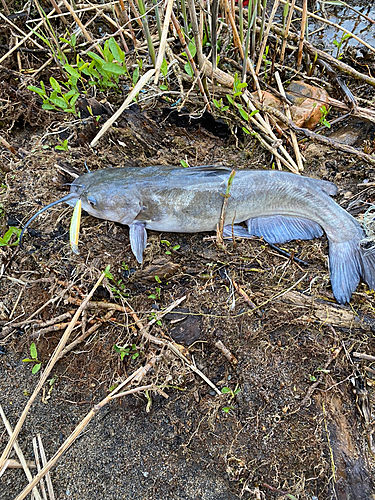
(346, 269)
(367, 249)
(349, 261)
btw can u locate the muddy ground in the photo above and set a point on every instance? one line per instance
(297, 426)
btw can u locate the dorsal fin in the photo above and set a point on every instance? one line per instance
(209, 170)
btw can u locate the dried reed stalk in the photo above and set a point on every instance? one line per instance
(302, 34)
(19, 453)
(140, 84)
(163, 40)
(287, 28)
(46, 372)
(289, 115)
(337, 26)
(265, 37)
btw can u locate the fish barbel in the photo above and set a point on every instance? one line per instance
(279, 206)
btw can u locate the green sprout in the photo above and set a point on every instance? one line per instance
(33, 359)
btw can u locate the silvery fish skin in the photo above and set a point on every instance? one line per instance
(279, 206)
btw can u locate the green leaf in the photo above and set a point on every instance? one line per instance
(107, 274)
(107, 53)
(192, 49)
(96, 58)
(254, 112)
(163, 87)
(33, 351)
(114, 68)
(135, 75)
(36, 368)
(39, 91)
(230, 99)
(48, 106)
(59, 101)
(225, 390)
(184, 164)
(27, 360)
(69, 94)
(72, 71)
(55, 85)
(164, 68)
(189, 69)
(74, 99)
(176, 247)
(118, 54)
(243, 113)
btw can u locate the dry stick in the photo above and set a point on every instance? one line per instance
(73, 436)
(15, 464)
(287, 28)
(185, 48)
(47, 371)
(44, 461)
(302, 34)
(220, 226)
(7, 11)
(21, 42)
(36, 454)
(82, 27)
(290, 163)
(22, 32)
(7, 145)
(86, 334)
(367, 357)
(337, 26)
(317, 137)
(345, 68)
(58, 10)
(140, 84)
(265, 36)
(246, 297)
(195, 30)
(163, 41)
(230, 357)
(289, 115)
(19, 453)
(236, 37)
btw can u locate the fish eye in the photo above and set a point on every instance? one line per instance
(91, 201)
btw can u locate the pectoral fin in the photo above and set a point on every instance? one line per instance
(280, 229)
(138, 239)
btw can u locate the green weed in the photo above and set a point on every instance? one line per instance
(33, 359)
(5, 241)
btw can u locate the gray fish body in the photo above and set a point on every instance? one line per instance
(190, 200)
(279, 206)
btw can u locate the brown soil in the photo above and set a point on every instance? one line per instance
(282, 434)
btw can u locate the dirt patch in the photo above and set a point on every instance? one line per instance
(294, 428)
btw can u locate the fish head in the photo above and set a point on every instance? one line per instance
(106, 196)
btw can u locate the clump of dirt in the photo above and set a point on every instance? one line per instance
(295, 426)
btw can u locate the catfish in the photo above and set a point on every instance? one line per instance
(278, 206)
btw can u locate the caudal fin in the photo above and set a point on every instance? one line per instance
(367, 249)
(349, 261)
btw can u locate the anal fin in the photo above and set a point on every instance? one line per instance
(236, 231)
(138, 239)
(280, 229)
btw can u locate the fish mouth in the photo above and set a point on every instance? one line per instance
(70, 198)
